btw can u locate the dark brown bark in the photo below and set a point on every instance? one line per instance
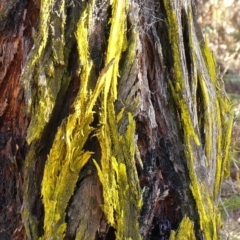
(17, 20)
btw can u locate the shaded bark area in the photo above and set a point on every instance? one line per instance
(113, 122)
(161, 144)
(17, 20)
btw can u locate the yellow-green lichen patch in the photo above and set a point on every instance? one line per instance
(128, 87)
(203, 197)
(179, 85)
(43, 74)
(189, 131)
(116, 45)
(67, 156)
(193, 57)
(185, 230)
(209, 60)
(61, 172)
(117, 171)
(42, 78)
(219, 117)
(216, 117)
(207, 153)
(208, 98)
(224, 140)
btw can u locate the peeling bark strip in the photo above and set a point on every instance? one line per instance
(113, 117)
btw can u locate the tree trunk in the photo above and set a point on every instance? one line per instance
(114, 123)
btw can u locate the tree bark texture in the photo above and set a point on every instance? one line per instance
(114, 123)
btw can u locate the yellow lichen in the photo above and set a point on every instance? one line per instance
(67, 156)
(116, 45)
(185, 230)
(214, 122)
(41, 102)
(117, 171)
(209, 60)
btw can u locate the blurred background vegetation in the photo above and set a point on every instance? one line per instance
(220, 21)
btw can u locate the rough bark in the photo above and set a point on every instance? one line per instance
(114, 123)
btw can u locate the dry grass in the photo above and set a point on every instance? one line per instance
(220, 20)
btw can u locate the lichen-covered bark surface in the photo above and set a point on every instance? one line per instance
(114, 124)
